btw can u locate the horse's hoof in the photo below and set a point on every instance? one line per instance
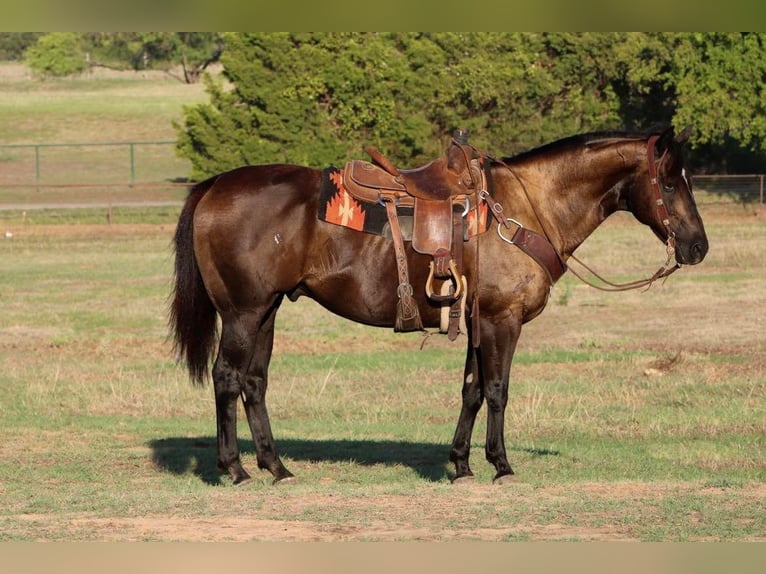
(243, 482)
(285, 480)
(239, 476)
(504, 479)
(465, 479)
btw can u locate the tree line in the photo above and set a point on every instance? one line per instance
(57, 54)
(319, 98)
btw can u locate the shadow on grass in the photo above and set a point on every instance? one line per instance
(180, 455)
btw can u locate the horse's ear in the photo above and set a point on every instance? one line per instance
(683, 137)
(665, 141)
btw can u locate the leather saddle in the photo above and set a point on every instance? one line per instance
(441, 193)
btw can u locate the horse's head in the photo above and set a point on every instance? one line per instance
(664, 199)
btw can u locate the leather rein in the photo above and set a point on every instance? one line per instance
(552, 262)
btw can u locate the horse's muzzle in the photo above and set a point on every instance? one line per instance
(694, 254)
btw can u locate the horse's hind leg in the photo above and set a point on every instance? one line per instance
(240, 370)
(227, 385)
(254, 398)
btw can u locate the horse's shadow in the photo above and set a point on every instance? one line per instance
(180, 455)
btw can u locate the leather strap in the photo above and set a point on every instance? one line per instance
(457, 253)
(540, 249)
(407, 314)
(662, 210)
(495, 208)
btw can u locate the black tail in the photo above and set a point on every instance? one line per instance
(192, 314)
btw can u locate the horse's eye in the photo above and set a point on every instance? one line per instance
(669, 187)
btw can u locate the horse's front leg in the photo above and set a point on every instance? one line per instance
(498, 346)
(473, 397)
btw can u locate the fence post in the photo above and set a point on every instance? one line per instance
(37, 167)
(132, 164)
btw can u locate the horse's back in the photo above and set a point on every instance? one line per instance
(254, 195)
(262, 183)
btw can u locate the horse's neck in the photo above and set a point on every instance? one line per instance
(570, 196)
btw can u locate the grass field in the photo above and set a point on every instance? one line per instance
(633, 416)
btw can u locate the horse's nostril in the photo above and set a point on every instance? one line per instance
(698, 251)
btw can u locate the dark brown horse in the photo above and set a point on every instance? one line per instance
(249, 237)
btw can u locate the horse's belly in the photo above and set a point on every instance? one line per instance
(362, 287)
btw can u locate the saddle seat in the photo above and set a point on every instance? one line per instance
(453, 177)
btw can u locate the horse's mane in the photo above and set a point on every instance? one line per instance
(582, 140)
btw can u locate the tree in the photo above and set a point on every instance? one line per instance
(719, 79)
(14, 44)
(302, 98)
(711, 81)
(319, 98)
(56, 54)
(192, 51)
(643, 78)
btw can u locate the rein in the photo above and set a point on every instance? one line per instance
(663, 272)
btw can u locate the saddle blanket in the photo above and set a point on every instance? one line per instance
(338, 206)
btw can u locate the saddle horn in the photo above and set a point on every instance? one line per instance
(382, 160)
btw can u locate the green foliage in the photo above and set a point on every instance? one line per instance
(719, 80)
(57, 54)
(13, 44)
(193, 51)
(711, 81)
(320, 98)
(302, 98)
(62, 54)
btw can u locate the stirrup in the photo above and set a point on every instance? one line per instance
(454, 277)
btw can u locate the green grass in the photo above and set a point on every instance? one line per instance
(73, 110)
(126, 214)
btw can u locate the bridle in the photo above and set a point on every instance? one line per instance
(540, 247)
(662, 212)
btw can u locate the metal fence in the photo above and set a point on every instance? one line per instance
(733, 188)
(129, 159)
(91, 172)
(151, 171)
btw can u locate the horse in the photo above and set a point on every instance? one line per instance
(248, 237)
